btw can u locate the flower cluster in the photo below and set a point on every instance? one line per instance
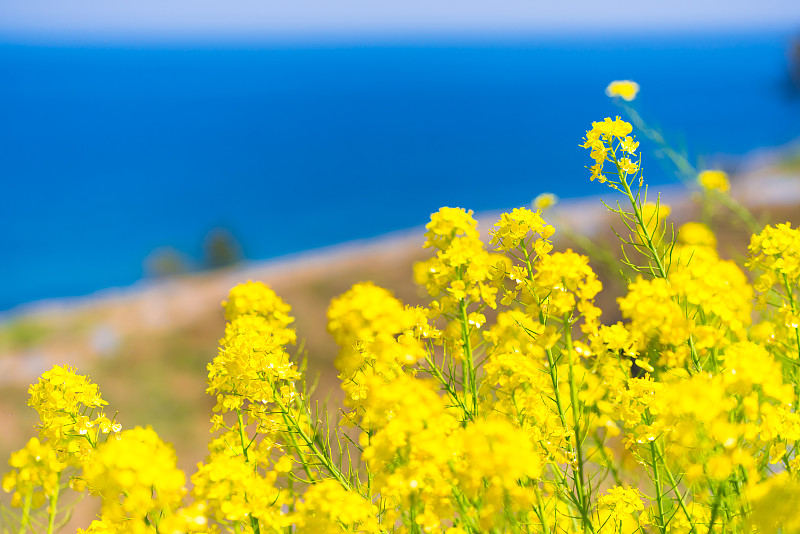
(328, 508)
(461, 272)
(610, 140)
(714, 180)
(35, 473)
(141, 469)
(252, 364)
(70, 413)
(233, 491)
(625, 89)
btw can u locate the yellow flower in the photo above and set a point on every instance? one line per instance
(696, 235)
(775, 502)
(447, 224)
(629, 145)
(251, 362)
(776, 250)
(328, 507)
(628, 166)
(234, 491)
(622, 499)
(713, 180)
(36, 468)
(102, 526)
(257, 299)
(600, 140)
(513, 228)
(626, 89)
(652, 311)
(544, 201)
(136, 475)
(564, 280)
(619, 508)
(70, 412)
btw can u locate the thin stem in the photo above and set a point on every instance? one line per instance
(655, 256)
(609, 462)
(26, 512)
(452, 393)
(540, 510)
(657, 482)
(715, 508)
(306, 468)
(553, 370)
(311, 444)
(674, 484)
(53, 506)
(688, 172)
(790, 296)
(576, 418)
(740, 211)
(245, 446)
(470, 371)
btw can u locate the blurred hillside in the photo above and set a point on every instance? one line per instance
(147, 346)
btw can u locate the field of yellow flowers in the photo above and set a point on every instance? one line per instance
(506, 404)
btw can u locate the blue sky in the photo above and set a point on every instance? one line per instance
(279, 19)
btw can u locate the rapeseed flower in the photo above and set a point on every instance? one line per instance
(626, 89)
(544, 201)
(136, 477)
(714, 180)
(35, 471)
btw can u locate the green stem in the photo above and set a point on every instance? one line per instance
(715, 508)
(53, 506)
(465, 506)
(306, 467)
(468, 360)
(740, 211)
(576, 417)
(790, 295)
(245, 446)
(370, 475)
(435, 371)
(540, 510)
(695, 357)
(649, 243)
(553, 369)
(608, 461)
(674, 484)
(571, 447)
(311, 444)
(26, 512)
(571, 497)
(688, 172)
(657, 483)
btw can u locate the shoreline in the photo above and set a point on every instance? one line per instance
(760, 185)
(182, 315)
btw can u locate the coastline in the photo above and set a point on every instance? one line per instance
(75, 330)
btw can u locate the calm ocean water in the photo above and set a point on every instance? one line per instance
(107, 153)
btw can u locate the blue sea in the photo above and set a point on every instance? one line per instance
(108, 153)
